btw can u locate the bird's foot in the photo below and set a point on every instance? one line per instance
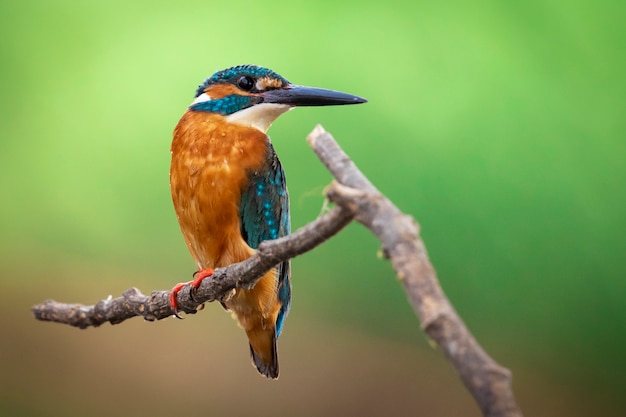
(199, 276)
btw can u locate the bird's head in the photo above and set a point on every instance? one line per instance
(254, 96)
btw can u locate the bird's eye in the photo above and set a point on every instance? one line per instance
(245, 83)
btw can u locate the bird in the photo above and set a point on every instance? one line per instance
(229, 191)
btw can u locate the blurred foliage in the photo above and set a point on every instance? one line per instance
(500, 126)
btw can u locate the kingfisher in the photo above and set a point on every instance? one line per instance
(229, 191)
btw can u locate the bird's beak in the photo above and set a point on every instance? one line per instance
(296, 95)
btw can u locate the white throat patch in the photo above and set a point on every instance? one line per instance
(260, 116)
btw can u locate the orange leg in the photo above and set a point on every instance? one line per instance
(199, 276)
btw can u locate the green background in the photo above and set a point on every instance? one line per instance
(500, 126)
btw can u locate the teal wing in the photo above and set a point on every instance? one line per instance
(264, 215)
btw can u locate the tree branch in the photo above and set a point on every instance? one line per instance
(488, 382)
(244, 274)
(358, 199)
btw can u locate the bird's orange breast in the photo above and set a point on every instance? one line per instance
(211, 160)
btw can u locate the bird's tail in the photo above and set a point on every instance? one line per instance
(263, 351)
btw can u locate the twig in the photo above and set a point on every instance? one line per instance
(240, 275)
(358, 199)
(489, 383)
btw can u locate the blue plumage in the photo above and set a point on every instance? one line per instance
(264, 215)
(227, 105)
(230, 75)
